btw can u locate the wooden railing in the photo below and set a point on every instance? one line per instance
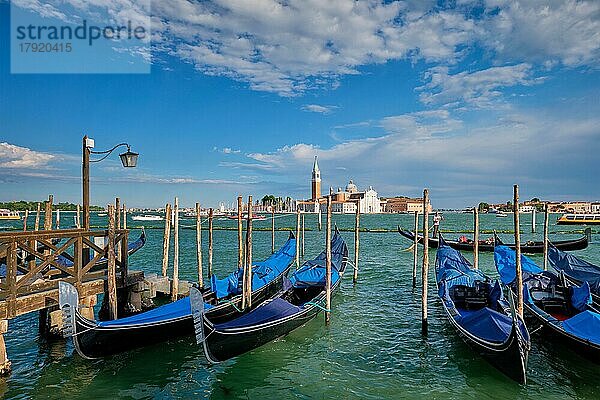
(35, 261)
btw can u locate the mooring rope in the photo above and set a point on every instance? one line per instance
(310, 303)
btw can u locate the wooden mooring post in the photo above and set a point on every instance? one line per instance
(166, 240)
(425, 269)
(124, 216)
(199, 245)
(210, 242)
(248, 276)
(118, 211)
(297, 238)
(111, 273)
(48, 214)
(241, 257)
(356, 242)
(78, 217)
(303, 234)
(320, 224)
(272, 230)
(328, 264)
(518, 269)
(58, 218)
(475, 237)
(533, 220)
(37, 217)
(546, 216)
(175, 289)
(415, 250)
(25, 220)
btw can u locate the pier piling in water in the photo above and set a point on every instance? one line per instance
(320, 224)
(356, 242)
(175, 289)
(48, 214)
(415, 250)
(425, 269)
(248, 276)
(166, 240)
(475, 237)
(37, 217)
(124, 216)
(272, 230)
(533, 220)
(297, 238)
(328, 264)
(241, 260)
(303, 234)
(210, 241)
(199, 246)
(111, 273)
(546, 216)
(518, 250)
(58, 218)
(118, 212)
(25, 220)
(78, 217)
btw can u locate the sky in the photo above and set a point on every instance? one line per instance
(234, 97)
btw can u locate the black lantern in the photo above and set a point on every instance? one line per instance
(129, 159)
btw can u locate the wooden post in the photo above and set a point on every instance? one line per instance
(319, 216)
(533, 220)
(112, 273)
(415, 250)
(78, 217)
(210, 242)
(175, 291)
(124, 216)
(25, 220)
(57, 218)
(48, 214)
(518, 269)
(297, 238)
(475, 237)
(356, 242)
(241, 257)
(118, 209)
(249, 255)
(4, 361)
(303, 234)
(199, 245)
(425, 269)
(166, 240)
(37, 217)
(273, 231)
(546, 216)
(328, 264)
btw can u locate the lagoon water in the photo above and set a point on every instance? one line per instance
(373, 348)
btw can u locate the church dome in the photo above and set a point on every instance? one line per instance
(351, 187)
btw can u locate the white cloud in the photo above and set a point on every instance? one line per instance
(17, 157)
(229, 150)
(478, 88)
(316, 108)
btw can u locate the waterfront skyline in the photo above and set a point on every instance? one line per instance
(464, 100)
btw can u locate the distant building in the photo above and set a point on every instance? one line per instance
(316, 181)
(595, 208)
(405, 205)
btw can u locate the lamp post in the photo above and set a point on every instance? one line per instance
(128, 159)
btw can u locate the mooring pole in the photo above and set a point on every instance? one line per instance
(415, 250)
(476, 237)
(118, 211)
(303, 233)
(320, 224)
(210, 242)
(297, 238)
(241, 256)
(249, 254)
(425, 269)
(199, 246)
(25, 220)
(78, 217)
(518, 251)
(175, 291)
(328, 264)
(48, 214)
(546, 217)
(272, 230)
(356, 242)
(58, 218)
(111, 273)
(124, 216)
(166, 240)
(37, 217)
(533, 220)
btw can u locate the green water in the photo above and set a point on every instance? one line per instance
(373, 348)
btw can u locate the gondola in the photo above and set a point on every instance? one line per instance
(553, 306)
(476, 308)
(94, 339)
(301, 299)
(575, 269)
(488, 245)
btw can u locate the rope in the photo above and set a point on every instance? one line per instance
(233, 304)
(310, 303)
(411, 248)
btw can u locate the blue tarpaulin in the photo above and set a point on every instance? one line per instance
(312, 273)
(581, 296)
(268, 311)
(262, 272)
(504, 257)
(585, 325)
(486, 324)
(575, 268)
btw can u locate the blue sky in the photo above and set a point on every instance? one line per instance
(463, 97)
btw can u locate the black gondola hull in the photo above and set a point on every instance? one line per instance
(529, 248)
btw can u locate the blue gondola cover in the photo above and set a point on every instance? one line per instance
(505, 264)
(266, 312)
(575, 268)
(486, 323)
(581, 296)
(585, 325)
(312, 273)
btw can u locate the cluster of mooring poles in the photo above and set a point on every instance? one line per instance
(425, 243)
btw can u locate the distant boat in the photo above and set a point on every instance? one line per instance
(146, 217)
(102, 214)
(501, 214)
(7, 214)
(245, 216)
(579, 219)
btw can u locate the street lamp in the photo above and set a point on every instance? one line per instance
(128, 159)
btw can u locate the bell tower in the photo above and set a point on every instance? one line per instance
(316, 181)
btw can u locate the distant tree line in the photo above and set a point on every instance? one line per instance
(32, 205)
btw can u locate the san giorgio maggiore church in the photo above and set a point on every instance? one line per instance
(343, 201)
